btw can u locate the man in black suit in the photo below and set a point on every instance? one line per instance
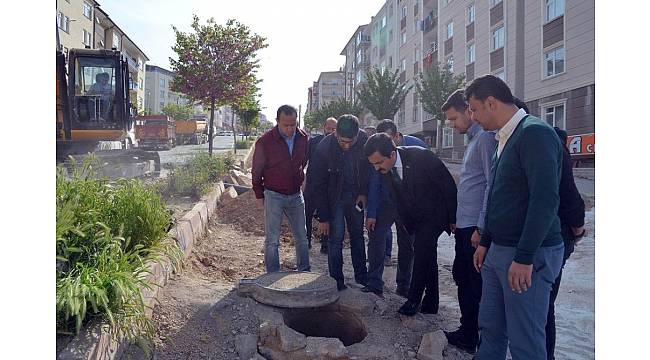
(426, 203)
(310, 206)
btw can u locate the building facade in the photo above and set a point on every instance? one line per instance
(543, 49)
(329, 87)
(158, 90)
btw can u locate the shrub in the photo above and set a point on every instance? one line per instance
(243, 144)
(106, 233)
(196, 176)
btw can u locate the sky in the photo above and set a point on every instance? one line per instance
(305, 37)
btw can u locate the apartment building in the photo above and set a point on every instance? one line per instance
(158, 90)
(83, 24)
(331, 87)
(357, 61)
(543, 49)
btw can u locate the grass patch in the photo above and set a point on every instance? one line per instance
(195, 177)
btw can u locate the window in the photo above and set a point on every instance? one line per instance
(416, 58)
(471, 53)
(116, 41)
(450, 63)
(162, 104)
(450, 30)
(162, 94)
(501, 75)
(554, 9)
(498, 38)
(88, 10)
(390, 62)
(404, 12)
(86, 37)
(471, 14)
(383, 22)
(390, 36)
(162, 82)
(383, 67)
(359, 77)
(390, 10)
(494, 2)
(554, 115)
(403, 68)
(63, 22)
(403, 37)
(141, 84)
(447, 137)
(554, 61)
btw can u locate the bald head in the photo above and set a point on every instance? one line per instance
(330, 126)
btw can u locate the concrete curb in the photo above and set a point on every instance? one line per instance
(94, 341)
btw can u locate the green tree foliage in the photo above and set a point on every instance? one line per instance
(316, 119)
(383, 94)
(178, 112)
(216, 64)
(433, 88)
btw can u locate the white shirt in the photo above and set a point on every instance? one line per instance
(504, 133)
(398, 165)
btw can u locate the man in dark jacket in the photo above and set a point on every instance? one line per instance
(425, 195)
(340, 190)
(310, 207)
(572, 221)
(278, 172)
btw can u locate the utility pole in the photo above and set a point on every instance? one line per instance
(299, 111)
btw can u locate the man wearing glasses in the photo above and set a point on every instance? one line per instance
(340, 189)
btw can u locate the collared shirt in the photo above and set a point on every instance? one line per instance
(473, 185)
(504, 133)
(408, 140)
(398, 166)
(288, 140)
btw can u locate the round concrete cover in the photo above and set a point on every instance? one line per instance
(291, 289)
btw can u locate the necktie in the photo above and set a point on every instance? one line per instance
(394, 176)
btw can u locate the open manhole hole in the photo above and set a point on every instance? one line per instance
(323, 322)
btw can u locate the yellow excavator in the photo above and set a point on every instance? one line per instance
(94, 113)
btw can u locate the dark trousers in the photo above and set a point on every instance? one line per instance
(468, 281)
(377, 246)
(550, 319)
(345, 213)
(310, 209)
(424, 279)
(404, 255)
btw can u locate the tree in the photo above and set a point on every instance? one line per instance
(216, 64)
(248, 111)
(383, 94)
(178, 112)
(316, 119)
(433, 88)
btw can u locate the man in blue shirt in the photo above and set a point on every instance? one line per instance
(404, 240)
(470, 216)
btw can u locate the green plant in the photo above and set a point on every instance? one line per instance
(383, 93)
(196, 176)
(106, 233)
(242, 144)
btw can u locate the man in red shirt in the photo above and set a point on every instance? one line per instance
(278, 172)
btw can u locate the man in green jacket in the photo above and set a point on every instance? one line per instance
(521, 247)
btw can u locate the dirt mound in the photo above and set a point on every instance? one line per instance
(242, 212)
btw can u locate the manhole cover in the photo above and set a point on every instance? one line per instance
(291, 289)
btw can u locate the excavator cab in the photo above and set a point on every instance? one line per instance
(98, 95)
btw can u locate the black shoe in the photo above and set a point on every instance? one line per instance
(323, 250)
(462, 341)
(340, 286)
(367, 289)
(402, 292)
(409, 308)
(429, 309)
(363, 282)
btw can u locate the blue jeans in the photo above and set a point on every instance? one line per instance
(377, 240)
(293, 206)
(345, 212)
(507, 316)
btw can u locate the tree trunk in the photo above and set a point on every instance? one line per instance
(234, 133)
(211, 129)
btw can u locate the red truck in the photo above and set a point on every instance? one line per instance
(155, 132)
